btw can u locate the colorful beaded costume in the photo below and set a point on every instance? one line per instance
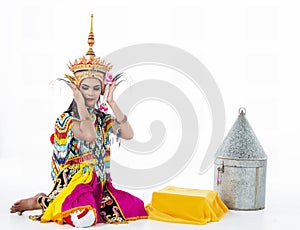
(81, 170)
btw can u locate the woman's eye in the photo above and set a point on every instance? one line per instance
(84, 88)
(97, 88)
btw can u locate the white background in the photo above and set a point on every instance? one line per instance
(251, 48)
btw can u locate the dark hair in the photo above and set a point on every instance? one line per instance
(73, 108)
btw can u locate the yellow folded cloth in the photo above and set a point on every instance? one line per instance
(186, 206)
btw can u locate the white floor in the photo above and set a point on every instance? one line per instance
(282, 205)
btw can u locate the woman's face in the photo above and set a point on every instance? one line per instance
(91, 90)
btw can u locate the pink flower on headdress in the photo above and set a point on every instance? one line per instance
(108, 79)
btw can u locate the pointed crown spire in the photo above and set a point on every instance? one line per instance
(91, 40)
(89, 65)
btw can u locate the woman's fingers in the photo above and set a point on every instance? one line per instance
(72, 86)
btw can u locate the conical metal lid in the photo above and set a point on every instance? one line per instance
(241, 142)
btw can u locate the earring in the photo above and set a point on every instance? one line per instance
(107, 82)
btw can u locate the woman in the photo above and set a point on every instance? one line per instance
(83, 194)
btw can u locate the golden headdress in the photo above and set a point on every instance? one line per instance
(89, 65)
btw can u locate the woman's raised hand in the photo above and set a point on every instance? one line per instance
(79, 99)
(110, 97)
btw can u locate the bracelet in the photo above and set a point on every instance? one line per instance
(123, 120)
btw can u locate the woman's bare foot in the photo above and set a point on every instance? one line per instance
(26, 204)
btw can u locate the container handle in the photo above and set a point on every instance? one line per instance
(220, 171)
(242, 111)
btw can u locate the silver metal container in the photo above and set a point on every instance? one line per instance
(240, 168)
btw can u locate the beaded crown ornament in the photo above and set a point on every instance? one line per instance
(90, 66)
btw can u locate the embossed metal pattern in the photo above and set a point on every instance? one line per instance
(240, 168)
